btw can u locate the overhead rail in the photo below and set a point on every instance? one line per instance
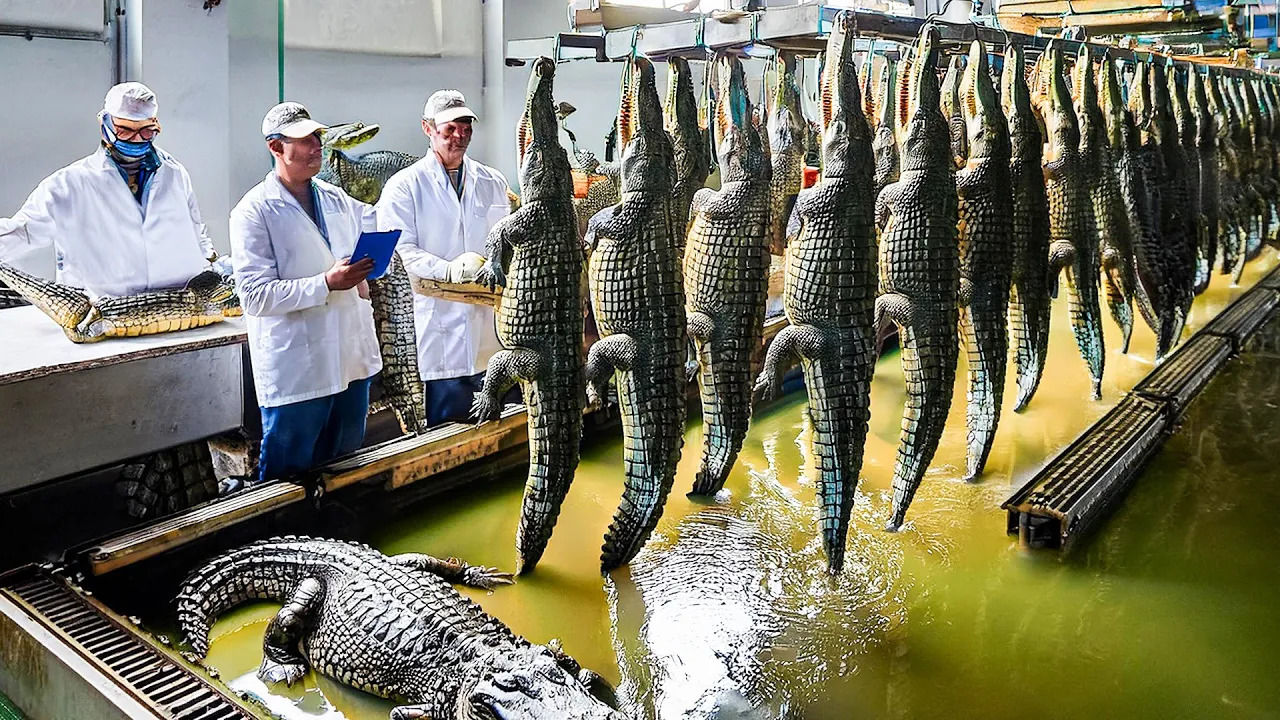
(801, 29)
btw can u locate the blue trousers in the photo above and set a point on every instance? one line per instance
(449, 399)
(301, 435)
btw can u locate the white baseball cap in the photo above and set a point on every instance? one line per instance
(291, 120)
(446, 105)
(130, 101)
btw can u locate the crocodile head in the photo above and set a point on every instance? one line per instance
(1053, 101)
(529, 683)
(647, 161)
(347, 135)
(1111, 103)
(786, 124)
(986, 129)
(738, 144)
(1205, 121)
(924, 138)
(681, 120)
(1085, 86)
(1186, 121)
(545, 172)
(1165, 125)
(844, 120)
(1140, 100)
(1218, 105)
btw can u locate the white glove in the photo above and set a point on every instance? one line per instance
(464, 268)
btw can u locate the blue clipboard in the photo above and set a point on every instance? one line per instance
(376, 245)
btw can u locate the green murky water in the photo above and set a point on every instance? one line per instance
(1169, 612)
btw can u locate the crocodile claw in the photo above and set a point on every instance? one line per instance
(277, 672)
(490, 275)
(484, 408)
(486, 578)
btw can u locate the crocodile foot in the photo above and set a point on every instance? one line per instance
(288, 673)
(486, 578)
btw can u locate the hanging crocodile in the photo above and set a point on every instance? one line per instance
(208, 298)
(535, 254)
(363, 175)
(638, 297)
(1111, 228)
(1206, 139)
(787, 130)
(920, 271)
(983, 186)
(829, 294)
(884, 144)
(1171, 202)
(1184, 124)
(1029, 292)
(688, 141)
(1073, 239)
(391, 626)
(726, 266)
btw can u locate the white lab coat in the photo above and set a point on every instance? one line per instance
(104, 240)
(305, 341)
(454, 339)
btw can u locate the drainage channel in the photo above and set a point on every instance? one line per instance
(150, 677)
(1078, 488)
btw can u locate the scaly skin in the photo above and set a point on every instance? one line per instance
(884, 145)
(1150, 274)
(536, 255)
(392, 298)
(391, 626)
(208, 298)
(602, 188)
(726, 267)
(362, 176)
(692, 154)
(985, 231)
(638, 296)
(1206, 141)
(787, 133)
(1188, 135)
(920, 272)
(1171, 202)
(1073, 245)
(951, 110)
(1229, 186)
(1261, 178)
(1250, 202)
(1113, 238)
(1029, 292)
(829, 295)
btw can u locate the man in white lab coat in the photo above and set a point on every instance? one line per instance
(312, 342)
(445, 204)
(121, 221)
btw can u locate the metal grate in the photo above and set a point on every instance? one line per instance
(1077, 488)
(1180, 378)
(143, 671)
(1245, 316)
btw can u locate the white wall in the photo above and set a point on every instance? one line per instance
(253, 79)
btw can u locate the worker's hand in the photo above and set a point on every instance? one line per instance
(344, 277)
(464, 268)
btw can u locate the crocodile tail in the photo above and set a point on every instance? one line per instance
(392, 299)
(725, 381)
(1086, 315)
(929, 350)
(555, 432)
(839, 387)
(986, 345)
(1028, 321)
(653, 435)
(264, 570)
(64, 304)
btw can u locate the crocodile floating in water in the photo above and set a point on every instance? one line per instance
(1073, 248)
(983, 186)
(206, 299)
(535, 254)
(726, 267)
(638, 297)
(1029, 290)
(688, 141)
(392, 626)
(920, 271)
(829, 292)
(1111, 227)
(788, 131)
(362, 176)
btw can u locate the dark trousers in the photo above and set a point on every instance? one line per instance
(301, 435)
(449, 399)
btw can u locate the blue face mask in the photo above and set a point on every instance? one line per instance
(126, 148)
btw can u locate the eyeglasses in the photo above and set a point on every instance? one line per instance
(132, 134)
